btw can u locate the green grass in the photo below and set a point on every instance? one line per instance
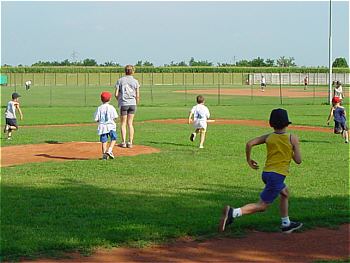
(51, 208)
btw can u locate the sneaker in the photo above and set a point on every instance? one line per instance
(226, 218)
(346, 141)
(6, 128)
(110, 154)
(104, 156)
(129, 145)
(9, 138)
(201, 147)
(123, 145)
(193, 137)
(293, 226)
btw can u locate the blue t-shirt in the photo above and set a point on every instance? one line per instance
(339, 114)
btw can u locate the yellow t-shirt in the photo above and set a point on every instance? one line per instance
(279, 153)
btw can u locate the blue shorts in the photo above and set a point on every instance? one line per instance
(274, 184)
(111, 134)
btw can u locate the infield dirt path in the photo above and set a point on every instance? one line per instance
(33, 153)
(269, 92)
(254, 123)
(308, 246)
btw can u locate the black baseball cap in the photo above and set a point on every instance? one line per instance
(279, 119)
(15, 95)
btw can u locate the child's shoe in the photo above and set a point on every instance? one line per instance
(201, 147)
(226, 219)
(129, 145)
(110, 154)
(6, 128)
(193, 137)
(292, 226)
(104, 156)
(123, 145)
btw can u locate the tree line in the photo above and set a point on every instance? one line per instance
(256, 62)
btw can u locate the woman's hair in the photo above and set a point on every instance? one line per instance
(129, 69)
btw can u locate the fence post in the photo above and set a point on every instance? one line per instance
(218, 88)
(77, 79)
(51, 93)
(142, 79)
(55, 79)
(85, 84)
(193, 78)
(66, 79)
(184, 83)
(44, 79)
(203, 79)
(281, 90)
(152, 89)
(15, 82)
(99, 78)
(251, 87)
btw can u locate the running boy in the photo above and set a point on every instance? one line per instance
(339, 114)
(105, 116)
(200, 115)
(10, 115)
(281, 148)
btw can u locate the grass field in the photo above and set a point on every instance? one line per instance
(50, 208)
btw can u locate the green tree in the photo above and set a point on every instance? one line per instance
(258, 62)
(89, 62)
(286, 62)
(340, 63)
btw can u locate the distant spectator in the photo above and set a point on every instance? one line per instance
(263, 83)
(338, 90)
(27, 84)
(306, 82)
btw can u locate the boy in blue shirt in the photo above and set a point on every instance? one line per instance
(339, 114)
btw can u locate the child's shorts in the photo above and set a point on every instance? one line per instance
(12, 122)
(339, 127)
(200, 125)
(111, 134)
(274, 184)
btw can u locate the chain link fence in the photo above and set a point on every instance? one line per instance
(163, 89)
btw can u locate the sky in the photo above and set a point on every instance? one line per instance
(161, 32)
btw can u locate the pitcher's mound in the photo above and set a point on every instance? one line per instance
(56, 151)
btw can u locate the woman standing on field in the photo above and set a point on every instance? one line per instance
(127, 92)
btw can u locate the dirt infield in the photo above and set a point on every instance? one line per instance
(254, 123)
(269, 92)
(55, 151)
(309, 246)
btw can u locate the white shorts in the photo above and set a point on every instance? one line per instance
(200, 125)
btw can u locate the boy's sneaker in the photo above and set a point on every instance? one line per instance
(6, 128)
(201, 147)
(129, 145)
(110, 154)
(193, 137)
(293, 226)
(123, 145)
(9, 138)
(104, 156)
(226, 218)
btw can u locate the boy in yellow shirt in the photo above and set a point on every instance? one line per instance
(282, 147)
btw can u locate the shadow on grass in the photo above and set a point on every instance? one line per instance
(74, 216)
(60, 157)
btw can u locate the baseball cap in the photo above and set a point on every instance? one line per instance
(106, 96)
(15, 95)
(279, 118)
(335, 100)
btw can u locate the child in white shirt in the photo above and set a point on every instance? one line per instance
(105, 115)
(200, 115)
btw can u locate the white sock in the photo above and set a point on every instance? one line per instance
(110, 149)
(285, 221)
(236, 212)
